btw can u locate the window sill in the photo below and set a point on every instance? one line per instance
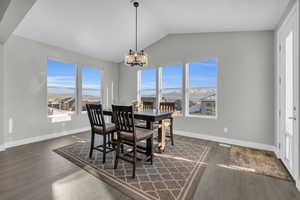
(202, 116)
(60, 118)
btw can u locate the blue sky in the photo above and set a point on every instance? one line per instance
(61, 74)
(201, 74)
(64, 75)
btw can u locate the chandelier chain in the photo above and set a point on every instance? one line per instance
(136, 31)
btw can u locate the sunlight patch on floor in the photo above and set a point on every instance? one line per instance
(178, 158)
(238, 168)
(79, 185)
(79, 139)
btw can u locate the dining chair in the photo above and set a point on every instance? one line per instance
(168, 107)
(146, 106)
(100, 127)
(128, 134)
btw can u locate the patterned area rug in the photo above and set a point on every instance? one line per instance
(256, 161)
(171, 177)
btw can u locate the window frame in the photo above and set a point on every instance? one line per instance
(185, 87)
(139, 88)
(161, 89)
(188, 88)
(78, 88)
(55, 118)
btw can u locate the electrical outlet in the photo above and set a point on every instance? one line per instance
(225, 130)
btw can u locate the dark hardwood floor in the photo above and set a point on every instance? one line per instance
(35, 172)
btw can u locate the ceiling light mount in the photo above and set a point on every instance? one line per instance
(136, 4)
(136, 57)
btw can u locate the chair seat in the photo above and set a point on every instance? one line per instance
(141, 134)
(109, 128)
(140, 123)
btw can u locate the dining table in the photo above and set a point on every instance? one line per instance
(152, 116)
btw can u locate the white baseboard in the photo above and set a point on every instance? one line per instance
(298, 185)
(178, 132)
(42, 138)
(277, 152)
(253, 145)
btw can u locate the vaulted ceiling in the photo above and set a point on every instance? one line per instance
(12, 13)
(105, 28)
(3, 6)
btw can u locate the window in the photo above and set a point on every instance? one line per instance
(148, 85)
(63, 90)
(91, 87)
(61, 84)
(171, 88)
(199, 98)
(202, 91)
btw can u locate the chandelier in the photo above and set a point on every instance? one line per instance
(135, 57)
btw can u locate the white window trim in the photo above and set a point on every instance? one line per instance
(185, 90)
(53, 118)
(187, 94)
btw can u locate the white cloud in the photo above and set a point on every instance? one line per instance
(68, 81)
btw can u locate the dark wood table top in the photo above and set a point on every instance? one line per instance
(147, 115)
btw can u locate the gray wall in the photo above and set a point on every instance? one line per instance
(245, 81)
(1, 93)
(26, 90)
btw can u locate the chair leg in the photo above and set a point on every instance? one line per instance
(122, 148)
(171, 132)
(151, 150)
(113, 140)
(104, 148)
(92, 145)
(117, 154)
(134, 161)
(109, 139)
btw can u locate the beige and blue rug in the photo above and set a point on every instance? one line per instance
(173, 176)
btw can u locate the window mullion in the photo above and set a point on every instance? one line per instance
(139, 83)
(185, 90)
(158, 86)
(78, 89)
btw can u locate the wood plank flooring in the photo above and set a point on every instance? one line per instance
(35, 172)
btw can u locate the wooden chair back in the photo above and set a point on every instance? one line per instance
(95, 114)
(167, 106)
(123, 117)
(148, 105)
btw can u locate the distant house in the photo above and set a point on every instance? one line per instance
(89, 101)
(208, 107)
(68, 103)
(195, 109)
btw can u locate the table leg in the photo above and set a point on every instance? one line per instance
(161, 136)
(148, 147)
(149, 125)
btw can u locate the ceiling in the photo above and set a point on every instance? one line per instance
(3, 6)
(12, 12)
(105, 28)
